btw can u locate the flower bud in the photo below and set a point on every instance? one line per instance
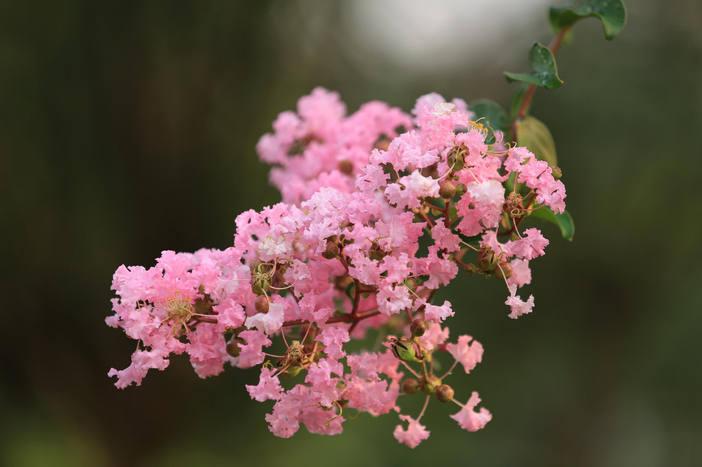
(332, 249)
(262, 304)
(382, 143)
(503, 269)
(487, 260)
(460, 189)
(345, 166)
(406, 349)
(456, 158)
(233, 348)
(418, 327)
(410, 386)
(342, 282)
(447, 189)
(431, 171)
(430, 384)
(444, 393)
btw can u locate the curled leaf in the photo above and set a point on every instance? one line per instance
(564, 221)
(611, 13)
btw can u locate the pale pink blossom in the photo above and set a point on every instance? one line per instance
(519, 307)
(362, 240)
(252, 349)
(334, 338)
(411, 436)
(467, 353)
(530, 246)
(268, 387)
(520, 274)
(438, 313)
(393, 299)
(444, 238)
(269, 322)
(434, 336)
(468, 418)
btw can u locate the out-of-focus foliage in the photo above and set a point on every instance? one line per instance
(612, 14)
(532, 133)
(129, 127)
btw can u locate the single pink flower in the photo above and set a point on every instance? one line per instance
(414, 434)
(438, 313)
(519, 307)
(468, 418)
(467, 353)
(268, 387)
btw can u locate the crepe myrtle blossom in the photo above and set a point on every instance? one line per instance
(380, 210)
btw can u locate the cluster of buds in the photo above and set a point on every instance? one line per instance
(339, 260)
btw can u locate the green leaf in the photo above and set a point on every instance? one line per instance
(611, 13)
(563, 221)
(453, 214)
(437, 202)
(535, 135)
(544, 70)
(491, 113)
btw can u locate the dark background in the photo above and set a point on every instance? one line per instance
(129, 127)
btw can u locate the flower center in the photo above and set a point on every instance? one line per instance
(179, 311)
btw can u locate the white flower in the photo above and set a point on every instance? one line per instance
(271, 247)
(420, 186)
(487, 192)
(443, 108)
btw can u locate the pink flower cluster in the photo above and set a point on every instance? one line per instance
(340, 260)
(321, 146)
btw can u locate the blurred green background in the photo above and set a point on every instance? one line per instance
(129, 127)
